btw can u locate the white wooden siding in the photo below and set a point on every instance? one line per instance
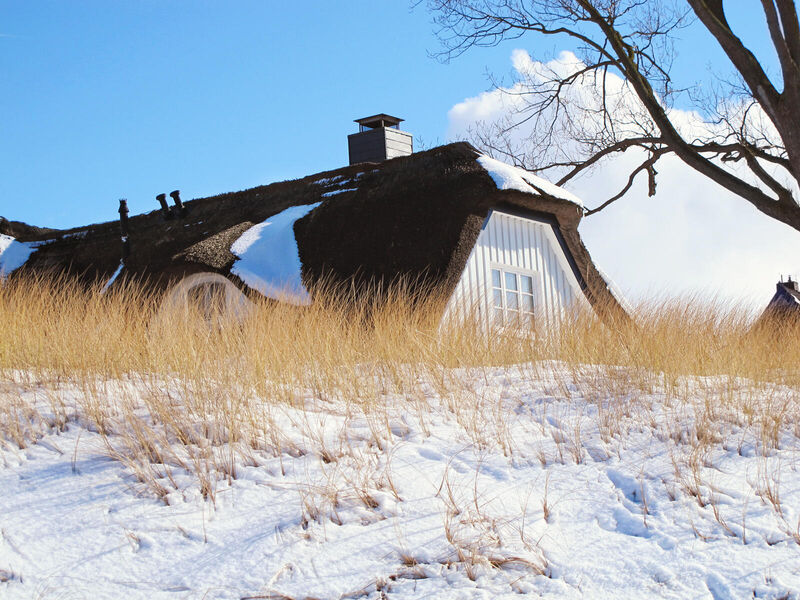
(525, 246)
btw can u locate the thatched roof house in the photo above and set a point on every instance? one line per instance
(478, 231)
(785, 304)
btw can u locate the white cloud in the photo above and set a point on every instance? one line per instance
(692, 237)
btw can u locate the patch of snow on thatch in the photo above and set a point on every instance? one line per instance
(334, 192)
(14, 254)
(337, 180)
(113, 277)
(329, 180)
(508, 177)
(269, 261)
(791, 299)
(616, 291)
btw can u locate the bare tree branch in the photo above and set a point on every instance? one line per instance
(648, 167)
(618, 147)
(626, 49)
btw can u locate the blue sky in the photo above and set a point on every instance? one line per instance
(105, 99)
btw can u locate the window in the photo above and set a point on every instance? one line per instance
(208, 298)
(512, 297)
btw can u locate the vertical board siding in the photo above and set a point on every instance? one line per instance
(523, 245)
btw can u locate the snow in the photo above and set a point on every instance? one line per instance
(114, 276)
(326, 181)
(334, 192)
(14, 254)
(508, 177)
(338, 180)
(616, 291)
(269, 261)
(563, 505)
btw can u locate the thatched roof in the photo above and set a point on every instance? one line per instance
(18, 229)
(785, 303)
(416, 216)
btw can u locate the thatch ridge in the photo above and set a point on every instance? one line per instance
(783, 307)
(20, 230)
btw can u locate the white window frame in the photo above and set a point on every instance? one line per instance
(560, 253)
(518, 273)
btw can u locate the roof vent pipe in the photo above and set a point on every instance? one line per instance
(179, 206)
(123, 229)
(162, 200)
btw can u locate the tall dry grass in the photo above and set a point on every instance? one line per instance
(64, 330)
(173, 393)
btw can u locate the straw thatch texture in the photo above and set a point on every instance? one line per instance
(416, 217)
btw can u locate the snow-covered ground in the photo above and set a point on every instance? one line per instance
(519, 483)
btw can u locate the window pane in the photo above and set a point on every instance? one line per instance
(498, 316)
(527, 303)
(498, 298)
(511, 281)
(496, 278)
(527, 284)
(512, 301)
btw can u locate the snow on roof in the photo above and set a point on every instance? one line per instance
(508, 177)
(325, 181)
(334, 192)
(14, 254)
(338, 180)
(615, 291)
(791, 292)
(269, 261)
(114, 276)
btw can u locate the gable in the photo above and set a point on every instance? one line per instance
(529, 247)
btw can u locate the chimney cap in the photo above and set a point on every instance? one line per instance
(379, 120)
